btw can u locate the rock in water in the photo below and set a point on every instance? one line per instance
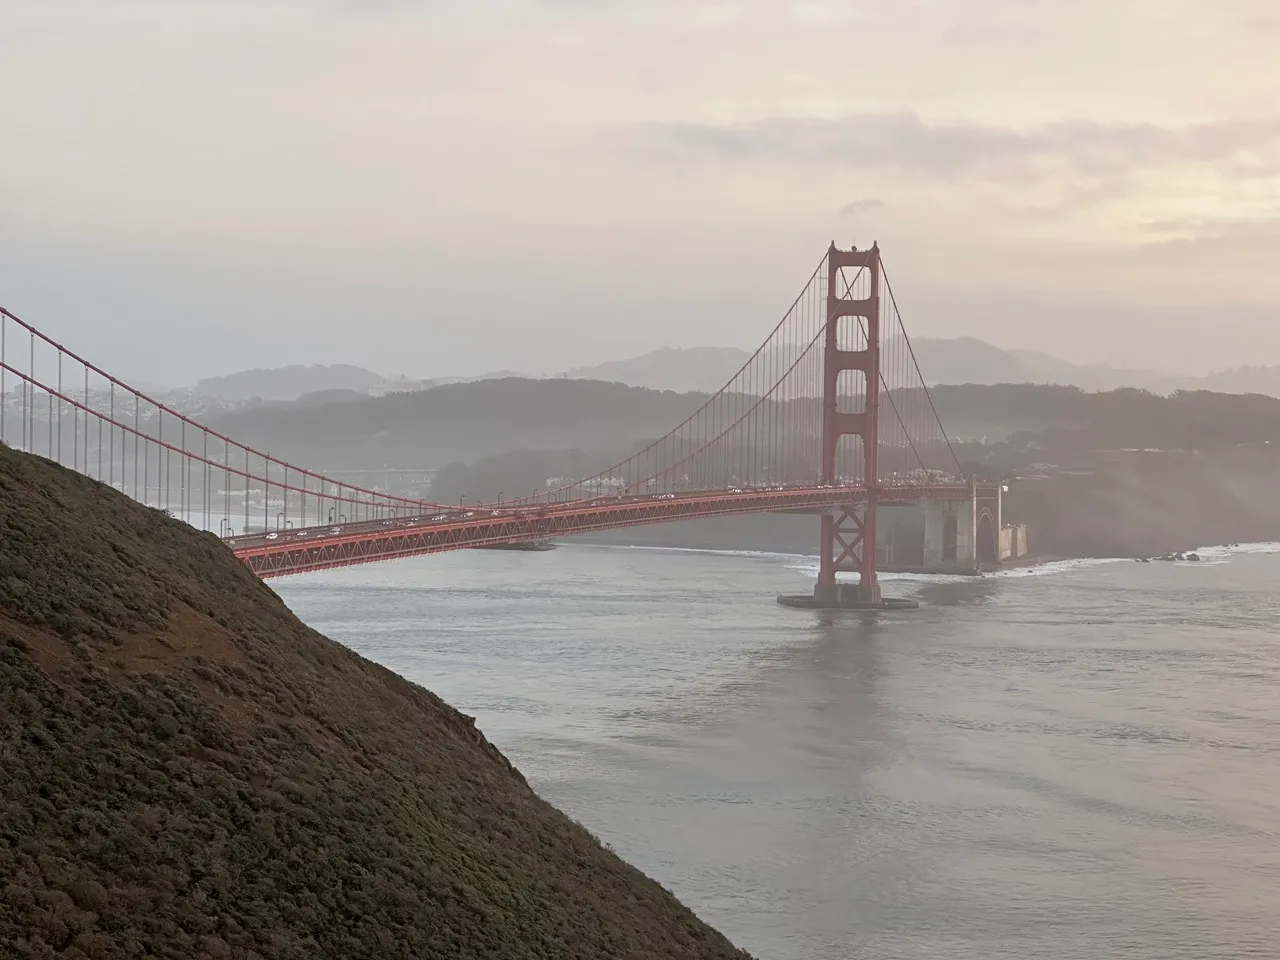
(186, 770)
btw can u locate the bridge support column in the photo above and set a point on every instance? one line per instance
(848, 537)
(950, 535)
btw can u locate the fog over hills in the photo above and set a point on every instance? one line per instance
(1096, 473)
(958, 360)
(289, 383)
(688, 370)
(299, 382)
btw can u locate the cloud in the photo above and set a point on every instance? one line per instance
(494, 10)
(370, 7)
(905, 142)
(1252, 243)
(854, 207)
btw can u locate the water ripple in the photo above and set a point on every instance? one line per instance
(1072, 762)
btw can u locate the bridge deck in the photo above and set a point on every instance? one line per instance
(323, 547)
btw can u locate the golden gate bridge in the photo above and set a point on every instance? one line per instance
(830, 416)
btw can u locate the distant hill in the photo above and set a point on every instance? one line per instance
(508, 437)
(707, 369)
(1265, 380)
(691, 370)
(460, 421)
(318, 383)
(321, 397)
(465, 422)
(289, 383)
(949, 360)
(942, 360)
(968, 360)
(445, 381)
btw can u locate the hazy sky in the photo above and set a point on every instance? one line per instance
(189, 187)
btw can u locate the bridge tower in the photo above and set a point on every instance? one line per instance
(848, 538)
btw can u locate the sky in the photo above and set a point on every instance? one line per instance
(449, 187)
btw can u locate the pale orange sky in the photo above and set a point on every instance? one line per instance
(449, 187)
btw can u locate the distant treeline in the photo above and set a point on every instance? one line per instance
(1189, 420)
(509, 437)
(465, 422)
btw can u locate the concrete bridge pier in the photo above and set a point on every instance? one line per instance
(848, 546)
(964, 536)
(961, 535)
(950, 535)
(845, 594)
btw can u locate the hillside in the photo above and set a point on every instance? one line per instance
(1115, 418)
(942, 360)
(465, 422)
(461, 422)
(1149, 504)
(689, 370)
(189, 771)
(967, 360)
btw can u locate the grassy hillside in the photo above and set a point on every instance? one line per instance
(189, 771)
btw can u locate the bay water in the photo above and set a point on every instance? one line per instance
(1080, 760)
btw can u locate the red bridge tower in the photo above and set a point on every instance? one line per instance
(849, 535)
(849, 532)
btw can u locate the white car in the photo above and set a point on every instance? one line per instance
(272, 536)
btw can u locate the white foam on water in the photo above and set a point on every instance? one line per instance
(754, 554)
(1220, 552)
(1055, 567)
(1209, 557)
(808, 563)
(810, 566)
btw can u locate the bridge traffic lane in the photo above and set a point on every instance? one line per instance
(337, 532)
(374, 540)
(329, 530)
(891, 491)
(482, 516)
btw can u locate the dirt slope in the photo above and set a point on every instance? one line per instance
(186, 770)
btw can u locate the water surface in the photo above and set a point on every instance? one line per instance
(1077, 762)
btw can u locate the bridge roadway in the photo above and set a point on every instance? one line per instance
(322, 547)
